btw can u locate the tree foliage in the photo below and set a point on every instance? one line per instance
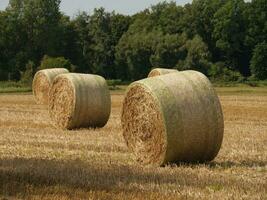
(229, 34)
(221, 38)
(259, 61)
(58, 62)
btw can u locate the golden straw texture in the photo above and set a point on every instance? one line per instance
(161, 71)
(173, 118)
(79, 100)
(42, 82)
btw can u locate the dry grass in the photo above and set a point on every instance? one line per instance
(38, 161)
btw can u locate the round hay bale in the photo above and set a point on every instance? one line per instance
(173, 118)
(79, 100)
(42, 82)
(161, 71)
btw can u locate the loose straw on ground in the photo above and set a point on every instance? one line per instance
(173, 118)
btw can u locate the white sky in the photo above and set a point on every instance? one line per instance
(70, 7)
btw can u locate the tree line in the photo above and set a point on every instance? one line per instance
(225, 39)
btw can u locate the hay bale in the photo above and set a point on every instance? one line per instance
(42, 82)
(173, 118)
(79, 100)
(161, 71)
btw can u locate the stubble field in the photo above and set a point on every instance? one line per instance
(38, 161)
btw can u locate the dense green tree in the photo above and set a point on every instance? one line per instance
(259, 61)
(133, 55)
(257, 27)
(229, 33)
(30, 30)
(198, 56)
(212, 36)
(151, 42)
(168, 50)
(27, 75)
(198, 20)
(80, 24)
(99, 34)
(162, 17)
(4, 69)
(55, 62)
(41, 18)
(69, 40)
(13, 39)
(99, 47)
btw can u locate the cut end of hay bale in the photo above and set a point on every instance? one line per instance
(62, 101)
(79, 101)
(41, 86)
(42, 83)
(161, 71)
(144, 130)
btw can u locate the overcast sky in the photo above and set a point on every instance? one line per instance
(70, 7)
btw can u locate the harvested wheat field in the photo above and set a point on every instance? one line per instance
(38, 161)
